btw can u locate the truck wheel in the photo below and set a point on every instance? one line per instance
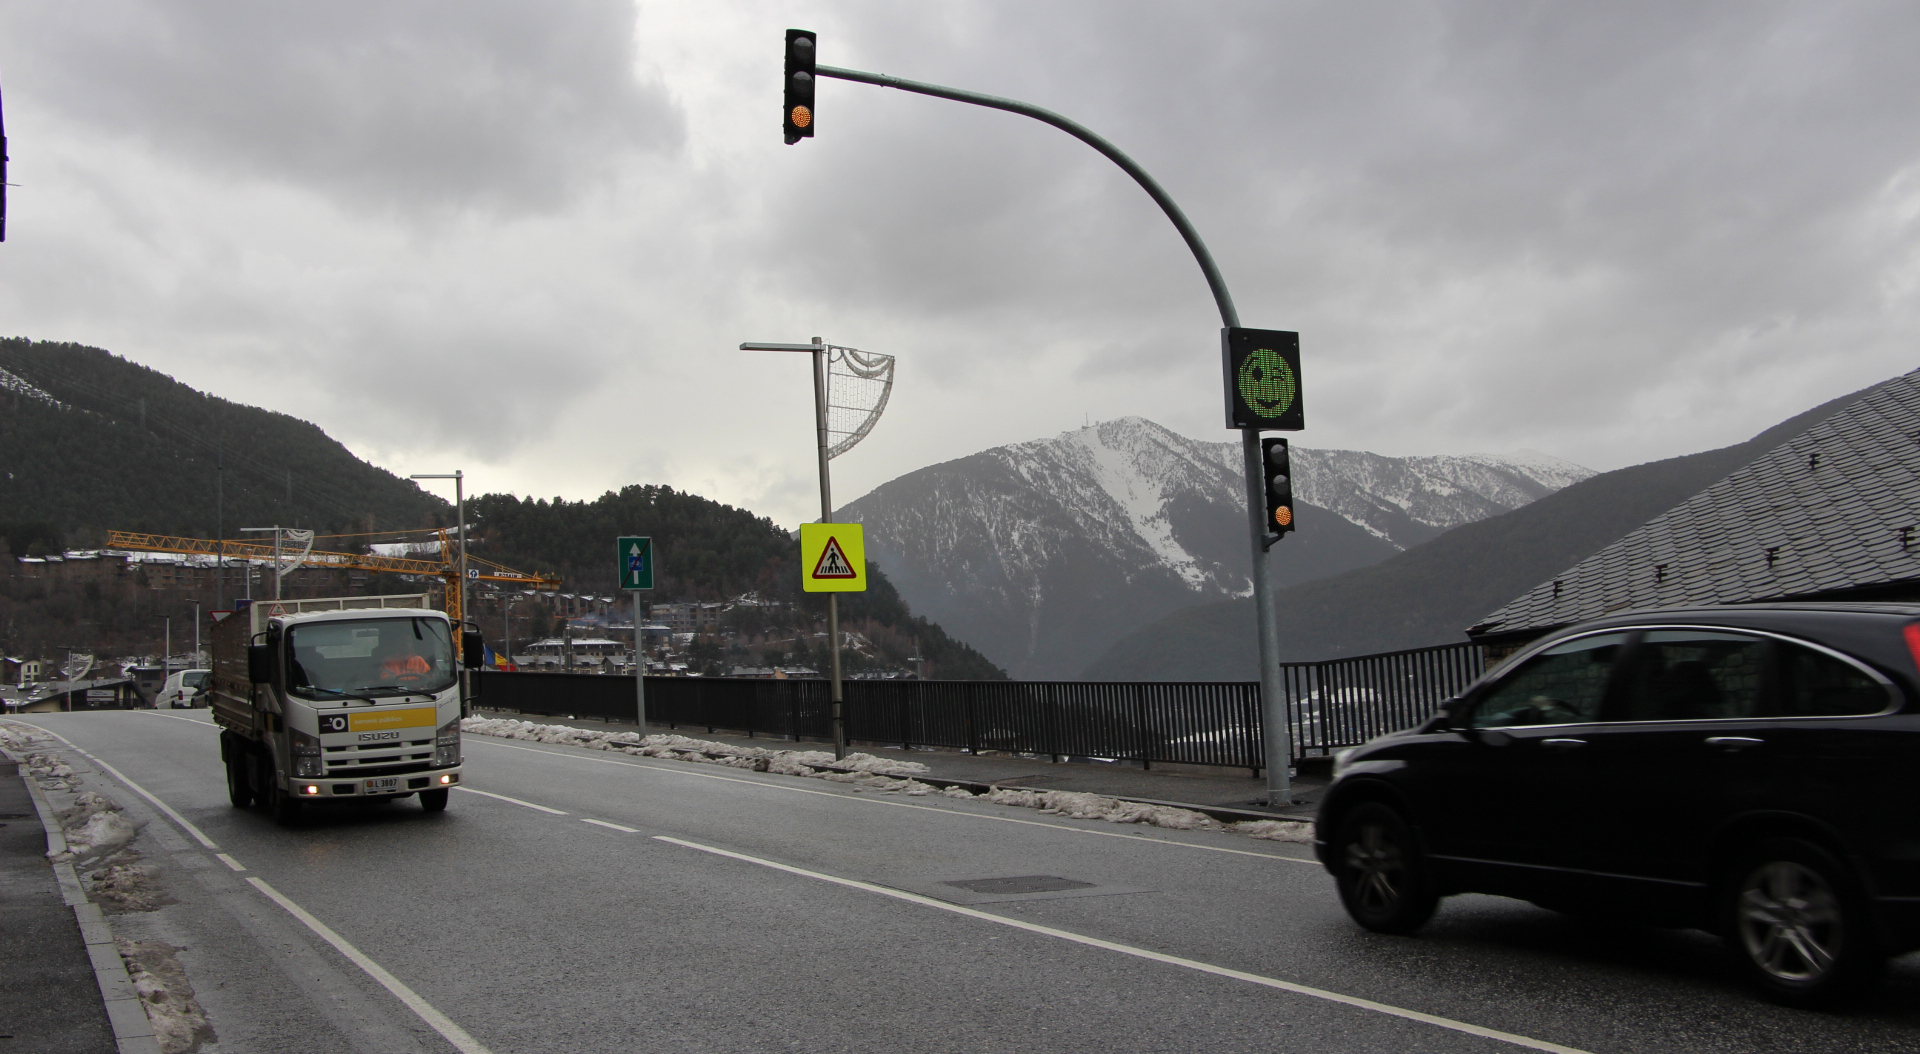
(434, 801)
(239, 787)
(1381, 874)
(1799, 926)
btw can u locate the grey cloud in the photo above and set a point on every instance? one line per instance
(405, 107)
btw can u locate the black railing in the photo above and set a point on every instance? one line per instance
(1330, 705)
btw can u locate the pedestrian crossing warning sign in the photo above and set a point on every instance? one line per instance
(833, 558)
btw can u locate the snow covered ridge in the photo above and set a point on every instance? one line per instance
(882, 774)
(13, 382)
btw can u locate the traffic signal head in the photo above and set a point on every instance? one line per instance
(1276, 470)
(1262, 379)
(799, 89)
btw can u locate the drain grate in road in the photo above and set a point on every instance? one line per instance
(1019, 884)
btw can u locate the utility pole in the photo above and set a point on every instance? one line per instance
(196, 630)
(1277, 738)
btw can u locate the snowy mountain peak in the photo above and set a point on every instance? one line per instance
(1032, 551)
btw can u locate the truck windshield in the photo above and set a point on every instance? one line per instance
(370, 657)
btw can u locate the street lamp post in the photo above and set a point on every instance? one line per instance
(458, 476)
(820, 350)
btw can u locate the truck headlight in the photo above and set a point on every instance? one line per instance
(446, 744)
(306, 754)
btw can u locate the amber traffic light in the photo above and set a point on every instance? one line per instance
(1276, 469)
(799, 85)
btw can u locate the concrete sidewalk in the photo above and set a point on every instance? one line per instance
(49, 1001)
(1188, 785)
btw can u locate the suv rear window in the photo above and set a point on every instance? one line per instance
(1817, 685)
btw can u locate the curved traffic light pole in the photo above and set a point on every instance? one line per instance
(1273, 714)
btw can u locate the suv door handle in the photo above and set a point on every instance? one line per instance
(1730, 744)
(1562, 744)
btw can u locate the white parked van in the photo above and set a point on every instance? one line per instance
(182, 690)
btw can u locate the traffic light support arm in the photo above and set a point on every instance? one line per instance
(1277, 735)
(1228, 316)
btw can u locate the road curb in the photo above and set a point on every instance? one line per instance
(126, 1012)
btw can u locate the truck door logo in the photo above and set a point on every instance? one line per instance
(333, 723)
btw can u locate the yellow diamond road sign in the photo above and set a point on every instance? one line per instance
(833, 558)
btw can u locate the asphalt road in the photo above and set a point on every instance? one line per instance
(658, 905)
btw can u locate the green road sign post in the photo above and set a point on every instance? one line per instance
(636, 559)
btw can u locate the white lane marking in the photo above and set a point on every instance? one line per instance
(516, 801)
(230, 861)
(1143, 953)
(198, 834)
(662, 766)
(438, 1021)
(615, 826)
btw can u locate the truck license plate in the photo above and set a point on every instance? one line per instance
(380, 786)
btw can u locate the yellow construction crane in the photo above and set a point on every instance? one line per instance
(447, 567)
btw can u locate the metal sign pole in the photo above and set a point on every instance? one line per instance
(826, 516)
(639, 666)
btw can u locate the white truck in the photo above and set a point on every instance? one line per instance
(339, 698)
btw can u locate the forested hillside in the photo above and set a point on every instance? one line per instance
(704, 551)
(91, 442)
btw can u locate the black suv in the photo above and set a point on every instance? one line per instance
(1751, 770)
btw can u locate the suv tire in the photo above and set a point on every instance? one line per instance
(1799, 926)
(1382, 875)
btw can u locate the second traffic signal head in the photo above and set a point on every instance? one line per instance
(1276, 471)
(799, 85)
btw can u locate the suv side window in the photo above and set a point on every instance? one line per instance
(1817, 685)
(1562, 685)
(1697, 675)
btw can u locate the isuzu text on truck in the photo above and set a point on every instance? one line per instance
(347, 697)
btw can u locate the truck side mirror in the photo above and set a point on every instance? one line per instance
(473, 650)
(259, 663)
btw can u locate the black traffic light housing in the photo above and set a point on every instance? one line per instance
(1276, 474)
(799, 84)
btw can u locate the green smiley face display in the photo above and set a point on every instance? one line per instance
(1267, 383)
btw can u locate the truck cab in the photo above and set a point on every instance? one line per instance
(356, 697)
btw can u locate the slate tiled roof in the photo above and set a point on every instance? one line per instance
(1835, 508)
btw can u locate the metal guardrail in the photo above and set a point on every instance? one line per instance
(1330, 705)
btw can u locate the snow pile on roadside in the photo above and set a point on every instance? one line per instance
(94, 826)
(50, 772)
(882, 774)
(179, 1024)
(682, 748)
(16, 737)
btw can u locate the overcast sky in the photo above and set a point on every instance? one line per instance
(523, 239)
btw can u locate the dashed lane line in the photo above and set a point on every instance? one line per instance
(662, 767)
(1143, 953)
(615, 826)
(516, 801)
(230, 862)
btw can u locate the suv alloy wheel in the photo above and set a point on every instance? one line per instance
(1382, 877)
(1799, 926)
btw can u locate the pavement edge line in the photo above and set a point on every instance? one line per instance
(185, 824)
(422, 1009)
(1143, 953)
